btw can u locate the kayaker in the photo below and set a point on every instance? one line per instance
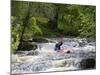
(58, 46)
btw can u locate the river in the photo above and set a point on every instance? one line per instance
(45, 59)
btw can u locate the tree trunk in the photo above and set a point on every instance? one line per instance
(25, 23)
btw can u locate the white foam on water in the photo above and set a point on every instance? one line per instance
(50, 60)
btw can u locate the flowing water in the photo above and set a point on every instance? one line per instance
(45, 59)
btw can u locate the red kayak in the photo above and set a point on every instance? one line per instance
(66, 50)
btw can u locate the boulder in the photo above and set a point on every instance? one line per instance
(26, 46)
(40, 40)
(91, 40)
(27, 53)
(33, 53)
(88, 63)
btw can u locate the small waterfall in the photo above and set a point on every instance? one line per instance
(49, 60)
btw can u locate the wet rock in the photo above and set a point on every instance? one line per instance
(82, 42)
(40, 40)
(92, 43)
(33, 53)
(29, 53)
(26, 46)
(88, 63)
(91, 40)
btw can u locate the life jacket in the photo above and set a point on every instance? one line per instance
(59, 44)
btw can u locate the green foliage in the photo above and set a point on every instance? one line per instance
(15, 33)
(88, 24)
(68, 19)
(19, 9)
(42, 19)
(49, 19)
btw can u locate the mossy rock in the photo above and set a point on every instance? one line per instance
(26, 46)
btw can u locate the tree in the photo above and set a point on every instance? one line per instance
(33, 19)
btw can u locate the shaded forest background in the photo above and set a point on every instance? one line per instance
(34, 19)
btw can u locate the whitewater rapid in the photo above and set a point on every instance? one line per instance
(48, 60)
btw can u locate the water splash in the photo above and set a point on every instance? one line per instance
(49, 60)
